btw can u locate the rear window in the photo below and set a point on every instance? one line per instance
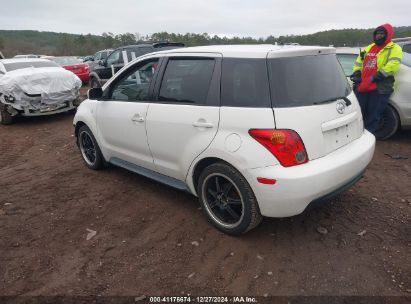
(306, 80)
(244, 83)
(66, 60)
(28, 64)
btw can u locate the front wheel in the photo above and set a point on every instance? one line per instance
(94, 83)
(228, 200)
(90, 151)
(389, 124)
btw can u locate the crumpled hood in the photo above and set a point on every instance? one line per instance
(54, 84)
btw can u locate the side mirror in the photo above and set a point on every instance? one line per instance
(95, 93)
(102, 63)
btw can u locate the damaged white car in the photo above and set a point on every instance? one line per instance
(34, 87)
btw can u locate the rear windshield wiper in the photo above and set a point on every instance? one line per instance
(347, 101)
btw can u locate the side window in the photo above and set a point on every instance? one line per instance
(187, 80)
(407, 48)
(244, 83)
(145, 50)
(114, 58)
(134, 86)
(104, 55)
(132, 53)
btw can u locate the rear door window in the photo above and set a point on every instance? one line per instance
(244, 83)
(187, 81)
(306, 80)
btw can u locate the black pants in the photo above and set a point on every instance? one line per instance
(372, 106)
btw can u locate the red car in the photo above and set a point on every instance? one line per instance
(74, 65)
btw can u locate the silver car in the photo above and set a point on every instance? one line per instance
(35, 87)
(398, 113)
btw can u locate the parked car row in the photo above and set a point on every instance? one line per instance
(105, 68)
(74, 65)
(30, 86)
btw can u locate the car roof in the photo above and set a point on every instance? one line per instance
(402, 40)
(253, 50)
(349, 50)
(16, 60)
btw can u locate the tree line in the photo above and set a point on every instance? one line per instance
(61, 44)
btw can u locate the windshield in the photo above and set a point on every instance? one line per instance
(66, 60)
(28, 64)
(306, 80)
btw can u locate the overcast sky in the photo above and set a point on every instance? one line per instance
(256, 18)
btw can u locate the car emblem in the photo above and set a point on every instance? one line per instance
(340, 107)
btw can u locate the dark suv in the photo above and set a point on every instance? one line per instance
(106, 68)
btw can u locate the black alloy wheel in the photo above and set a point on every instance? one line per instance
(227, 199)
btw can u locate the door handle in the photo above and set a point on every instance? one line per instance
(202, 124)
(137, 118)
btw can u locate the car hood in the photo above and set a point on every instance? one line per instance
(52, 84)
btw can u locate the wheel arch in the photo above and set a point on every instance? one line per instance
(94, 75)
(77, 127)
(199, 166)
(397, 111)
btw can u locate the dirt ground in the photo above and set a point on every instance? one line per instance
(154, 240)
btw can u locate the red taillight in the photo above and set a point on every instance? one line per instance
(266, 181)
(285, 145)
(86, 69)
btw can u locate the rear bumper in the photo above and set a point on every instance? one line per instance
(318, 180)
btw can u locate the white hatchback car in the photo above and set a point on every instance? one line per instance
(253, 131)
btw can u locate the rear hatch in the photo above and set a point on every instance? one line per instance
(311, 95)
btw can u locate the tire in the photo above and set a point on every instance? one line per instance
(228, 200)
(89, 149)
(94, 83)
(5, 117)
(389, 124)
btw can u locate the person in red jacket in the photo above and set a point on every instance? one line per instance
(373, 76)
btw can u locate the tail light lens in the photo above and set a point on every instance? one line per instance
(285, 145)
